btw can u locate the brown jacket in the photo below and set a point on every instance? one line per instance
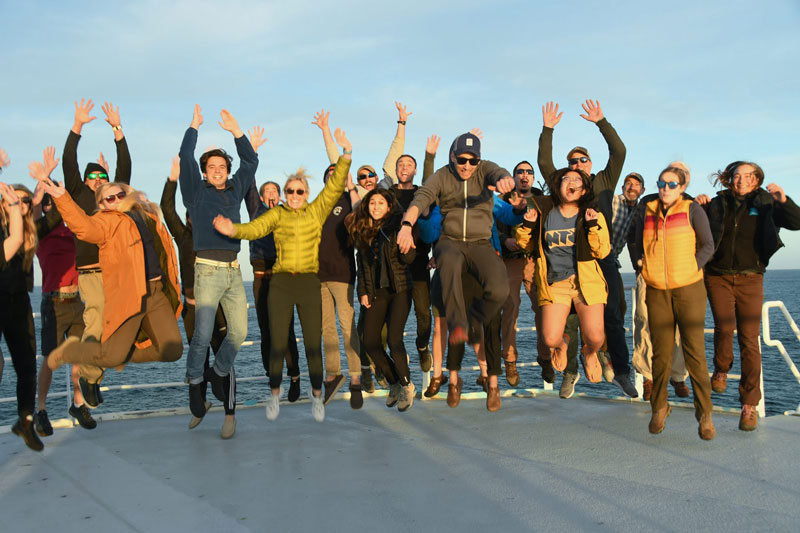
(122, 261)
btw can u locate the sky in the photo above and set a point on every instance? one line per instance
(705, 82)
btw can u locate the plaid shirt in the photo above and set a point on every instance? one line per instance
(621, 217)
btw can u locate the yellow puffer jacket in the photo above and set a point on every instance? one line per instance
(669, 244)
(298, 231)
(592, 242)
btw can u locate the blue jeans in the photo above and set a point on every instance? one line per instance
(215, 286)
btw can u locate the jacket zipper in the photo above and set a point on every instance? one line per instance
(464, 223)
(664, 225)
(297, 242)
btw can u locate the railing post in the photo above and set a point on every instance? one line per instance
(760, 408)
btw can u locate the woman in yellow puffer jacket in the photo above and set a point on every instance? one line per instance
(297, 228)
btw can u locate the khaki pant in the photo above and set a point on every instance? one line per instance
(90, 286)
(642, 345)
(337, 299)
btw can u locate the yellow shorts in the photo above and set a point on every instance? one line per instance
(566, 292)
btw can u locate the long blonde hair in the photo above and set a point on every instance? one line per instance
(134, 200)
(29, 233)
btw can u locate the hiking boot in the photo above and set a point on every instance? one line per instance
(681, 390)
(406, 399)
(82, 415)
(356, 399)
(367, 385)
(647, 389)
(658, 420)
(394, 395)
(217, 386)
(197, 403)
(24, 428)
(623, 381)
(91, 392)
(605, 364)
(748, 421)
(294, 389)
(317, 407)
(195, 421)
(512, 376)
(568, 385)
(493, 401)
(719, 382)
(434, 386)
(332, 387)
(483, 382)
(454, 393)
(425, 359)
(43, 426)
(273, 407)
(457, 336)
(706, 428)
(548, 372)
(228, 428)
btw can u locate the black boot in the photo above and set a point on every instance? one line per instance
(197, 404)
(91, 393)
(24, 428)
(217, 384)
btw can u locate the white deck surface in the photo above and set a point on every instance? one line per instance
(539, 463)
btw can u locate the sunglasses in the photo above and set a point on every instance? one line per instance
(97, 176)
(463, 161)
(367, 175)
(26, 200)
(525, 171)
(672, 184)
(576, 160)
(299, 192)
(114, 197)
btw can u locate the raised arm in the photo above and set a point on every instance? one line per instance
(69, 165)
(330, 194)
(189, 177)
(431, 148)
(321, 121)
(609, 176)
(396, 148)
(174, 223)
(41, 172)
(550, 118)
(123, 172)
(248, 159)
(92, 229)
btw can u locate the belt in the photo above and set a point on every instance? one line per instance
(62, 296)
(211, 262)
(89, 270)
(266, 274)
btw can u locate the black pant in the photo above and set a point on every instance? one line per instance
(261, 295)
(217, 336)
(303, 290)
(491, 332)
(391, 308)
(421, 294)
(16, 325)
(614, 320)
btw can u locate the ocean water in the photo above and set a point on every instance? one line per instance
(782, 390)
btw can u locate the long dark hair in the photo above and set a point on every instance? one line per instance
(359, 223)
(555, 187)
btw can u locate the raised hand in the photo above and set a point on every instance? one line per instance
(4, 160)
(112, 115)
(228, 123)
(402, 112)
(82, 111)
(342, 141)
(505, 185)
(321, 119)
(223, 225)
(591, 214)
(550, 114)
(777, 192)
(8, 194)
(197, 117)
(50, 159)
(702, 199)
(256, 139)
(531, 215)
(174, 169)
(433, 144)
(50, 187)
(102, 161)
(41, 172)
(593, 111)
(477, 133)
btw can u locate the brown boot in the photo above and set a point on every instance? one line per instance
(748, 421)
(681, 390)
(658, 419)
(647, 389)
(512, 376)
(719, 382)
(706, 428)
(493, 401)
(435, 385)
(454, 393)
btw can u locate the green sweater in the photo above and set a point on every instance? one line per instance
(297, 232)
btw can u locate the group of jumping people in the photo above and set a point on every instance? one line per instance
(459, 247)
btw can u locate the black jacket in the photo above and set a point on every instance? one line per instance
(384, 245)
(182, 233)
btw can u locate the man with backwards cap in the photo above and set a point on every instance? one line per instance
(462, 192)
(603, 185)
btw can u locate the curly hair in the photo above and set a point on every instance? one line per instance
(725, 177)
(360, 224)
(554, 185)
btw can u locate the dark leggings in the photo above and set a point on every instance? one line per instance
(391, 308)
(285, 292)
(16, 325)
(261, 295)
(217, 336)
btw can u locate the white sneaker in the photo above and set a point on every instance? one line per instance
(406, 397)
(273, 405)
(317, 407)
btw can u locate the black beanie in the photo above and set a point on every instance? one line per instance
(93, 167)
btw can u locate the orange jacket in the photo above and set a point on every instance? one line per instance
(122, 261)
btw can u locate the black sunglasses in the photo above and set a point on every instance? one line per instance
(114, 197)
(463, 161)
(299, 192)
(26, 200)
(576, 160)
(525, 171)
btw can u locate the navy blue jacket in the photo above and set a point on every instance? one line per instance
(262, 251)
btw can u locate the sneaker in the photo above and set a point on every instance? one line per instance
(623, 381)
(647, 389)
(719, 382)
(24, 428)
(195, 421)
(274, 405)
(425, 359)
(568, 385)
(483, 382)
(706, 429)
(317, 408)
(407, 394)
(217, 387)
(228, 428)
(197, 403)
(367, 385)
(90, 391)
(548, 372)
(605, 364)
(356, 399)
(82, 415)
(748, 421)
(332, 387)
(435, 385)
(294, 390)
(394, 395)
(681, 390)
(512, 376)
(42, 423)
